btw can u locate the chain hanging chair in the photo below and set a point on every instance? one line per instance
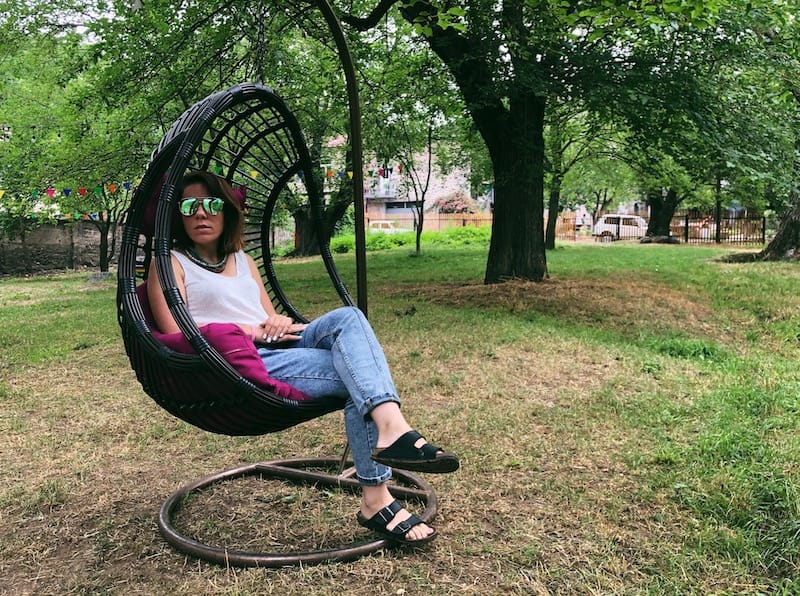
(213, 378)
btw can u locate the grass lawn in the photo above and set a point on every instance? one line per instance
(630, 425)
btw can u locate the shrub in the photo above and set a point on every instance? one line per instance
(380, 241)
(455, 237)
(343, 244)
(460, 236)
(467, 235)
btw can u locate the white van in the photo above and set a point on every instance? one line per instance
(618, 226)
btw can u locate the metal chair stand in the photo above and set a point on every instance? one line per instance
(406, 485)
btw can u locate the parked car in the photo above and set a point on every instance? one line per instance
(618, 226)
(386, 226)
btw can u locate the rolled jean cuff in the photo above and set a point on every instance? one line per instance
(375, 481)
(370, 403)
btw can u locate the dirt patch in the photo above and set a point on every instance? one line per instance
(612, 301)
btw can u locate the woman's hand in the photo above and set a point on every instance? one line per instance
(278, 328)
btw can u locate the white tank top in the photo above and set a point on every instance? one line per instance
(215, 298)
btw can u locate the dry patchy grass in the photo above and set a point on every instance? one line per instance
(546, 501)
(611, 301)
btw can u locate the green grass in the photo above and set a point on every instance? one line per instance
(630, 425)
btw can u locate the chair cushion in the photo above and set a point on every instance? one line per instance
(233, 344)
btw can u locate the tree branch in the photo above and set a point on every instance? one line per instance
(372, 19)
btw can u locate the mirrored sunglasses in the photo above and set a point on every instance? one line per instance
(211, 205)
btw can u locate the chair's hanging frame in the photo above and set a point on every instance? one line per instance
(176, 151)
(177, 147)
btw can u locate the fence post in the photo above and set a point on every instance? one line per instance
(686, 228)
(763, 229)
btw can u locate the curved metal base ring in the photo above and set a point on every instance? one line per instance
(408, 485)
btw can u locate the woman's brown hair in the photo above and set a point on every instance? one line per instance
(232, 237)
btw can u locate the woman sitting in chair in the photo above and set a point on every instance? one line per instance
(336, 354)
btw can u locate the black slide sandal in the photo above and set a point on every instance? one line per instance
(428, 458)
(379, 521)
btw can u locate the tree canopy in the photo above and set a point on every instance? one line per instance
(693, 100)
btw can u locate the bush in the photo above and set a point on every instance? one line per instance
(381, 241)
(282, 250)
(343, 244)
(466, 235)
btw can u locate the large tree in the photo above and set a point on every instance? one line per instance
(782, 48)
(575, 138)
(699, 115)
(507, 59)
(64, 133)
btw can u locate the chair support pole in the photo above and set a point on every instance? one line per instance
(346, 59)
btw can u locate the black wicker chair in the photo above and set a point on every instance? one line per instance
(247, 135)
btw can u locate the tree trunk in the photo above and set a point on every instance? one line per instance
(601, 202)
(420, 221)
(306, 241)
(516, 145)
(112, 249)
(556, 142)
(103, 248)
(662, 208)
(786, 243)
(103, 226)
(305, 237)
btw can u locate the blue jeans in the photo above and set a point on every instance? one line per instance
(339, 355)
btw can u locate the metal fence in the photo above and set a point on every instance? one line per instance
(687, 226)
(434, 222)
(742, 227)
(565, 225)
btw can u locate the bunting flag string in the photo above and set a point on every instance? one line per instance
(53, 192)
(112, 188)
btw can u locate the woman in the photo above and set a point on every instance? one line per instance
(336, 354)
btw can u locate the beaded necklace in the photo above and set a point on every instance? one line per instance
(201, 262)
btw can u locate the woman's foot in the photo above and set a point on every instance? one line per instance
(412, 452)
(401, 447)
(395, 522)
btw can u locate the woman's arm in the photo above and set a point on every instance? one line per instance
(276, 327)
(266, 303)
(158, 304)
